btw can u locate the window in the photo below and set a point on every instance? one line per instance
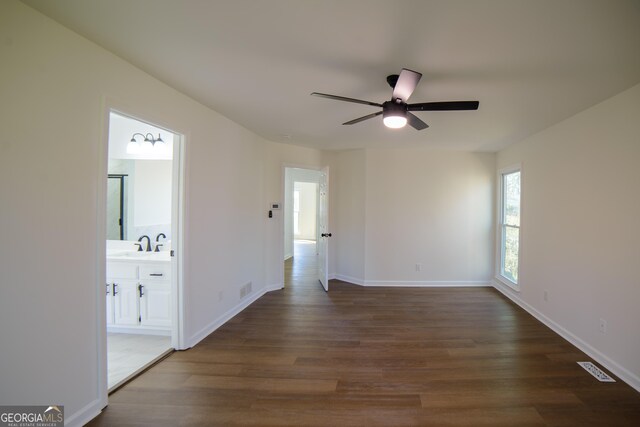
(509, 225)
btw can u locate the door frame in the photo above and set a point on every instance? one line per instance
(178, 229)
(286, 166)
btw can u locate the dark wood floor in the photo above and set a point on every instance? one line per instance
(374, 356)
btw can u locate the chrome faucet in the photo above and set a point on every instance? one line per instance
(148, 243)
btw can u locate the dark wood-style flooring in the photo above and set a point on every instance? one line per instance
(374, 356)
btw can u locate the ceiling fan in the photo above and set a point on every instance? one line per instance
(396, 113)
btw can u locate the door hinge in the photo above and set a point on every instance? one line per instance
(140, 319)
(172, 252)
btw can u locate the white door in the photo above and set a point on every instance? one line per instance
(126, 302)
(323, 226)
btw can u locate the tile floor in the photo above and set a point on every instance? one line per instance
(129, 354)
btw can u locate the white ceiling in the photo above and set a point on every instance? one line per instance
(530, 63)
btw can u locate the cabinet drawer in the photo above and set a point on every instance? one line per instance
(122, 270)
(155, 272)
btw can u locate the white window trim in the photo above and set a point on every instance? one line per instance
(498, 265)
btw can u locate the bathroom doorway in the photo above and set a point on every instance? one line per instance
(142, 239)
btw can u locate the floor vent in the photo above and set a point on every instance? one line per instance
(596, 372)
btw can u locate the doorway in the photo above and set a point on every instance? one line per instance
(302, 226)
(142, 234)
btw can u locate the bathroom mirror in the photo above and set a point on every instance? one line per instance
(138, 198)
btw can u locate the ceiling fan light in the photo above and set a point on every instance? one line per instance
(394, 121)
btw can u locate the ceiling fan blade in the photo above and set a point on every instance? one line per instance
(444, 106)
(406, 84)
(363, 118)
(343, 98)
(415, 122)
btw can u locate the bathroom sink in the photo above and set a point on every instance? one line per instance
(164, 255)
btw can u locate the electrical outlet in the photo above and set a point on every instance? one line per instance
(603, 326)
(546, 295)
(418, 267)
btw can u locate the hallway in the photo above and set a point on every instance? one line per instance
(301, 270)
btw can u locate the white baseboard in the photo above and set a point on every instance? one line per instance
(84, 415)
(274, 287)
(427, 283)
(412, 283)
(204, 332)
(618, 370)
(349, 279)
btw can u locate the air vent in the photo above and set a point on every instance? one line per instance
(245, 290)
(596, 372)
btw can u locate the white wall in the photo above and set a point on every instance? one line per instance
(399, 208)
(152, 193)
(430, 208)
(348, 182)
(54, 91)
(308, 213)
(580, 232)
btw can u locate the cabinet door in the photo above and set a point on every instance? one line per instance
(155, 304)
(126, 302)
(109, 291)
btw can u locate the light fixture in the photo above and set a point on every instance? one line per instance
(135, 147)
(147, 138)
(394, 115)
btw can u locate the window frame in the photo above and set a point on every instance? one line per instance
(501, 228)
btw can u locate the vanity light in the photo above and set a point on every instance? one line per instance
(135, 147)
(147, 138)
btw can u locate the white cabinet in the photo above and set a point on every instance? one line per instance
(110, 309)
(126, 302)
(155, 304)
(155, 298)
(138, 296)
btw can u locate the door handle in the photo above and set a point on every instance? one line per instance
(115, 289)
(325, 235)
(141, 289)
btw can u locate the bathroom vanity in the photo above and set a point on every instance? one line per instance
(138, 291)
